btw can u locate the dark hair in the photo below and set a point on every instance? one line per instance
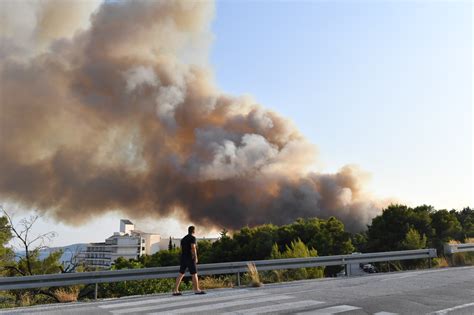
(191, 229)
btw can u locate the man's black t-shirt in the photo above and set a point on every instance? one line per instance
(186, 246)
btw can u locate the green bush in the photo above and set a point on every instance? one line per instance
(7, 299)
(297, 249)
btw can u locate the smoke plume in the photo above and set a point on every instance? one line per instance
(112, 106)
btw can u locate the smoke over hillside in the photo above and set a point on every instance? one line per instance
(121, 112)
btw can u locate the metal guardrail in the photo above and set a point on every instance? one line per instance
(64, 279)
(450, 249)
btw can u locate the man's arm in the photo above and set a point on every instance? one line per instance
(194, 252)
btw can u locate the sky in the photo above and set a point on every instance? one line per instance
(385, 85)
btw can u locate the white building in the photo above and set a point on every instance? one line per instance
(128, 243)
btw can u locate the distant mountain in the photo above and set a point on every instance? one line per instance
(68, 252)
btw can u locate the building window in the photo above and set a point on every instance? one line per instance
(143, 248)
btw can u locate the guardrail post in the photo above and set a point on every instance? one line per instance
(96, 291)
(345, 267)
(238, 278)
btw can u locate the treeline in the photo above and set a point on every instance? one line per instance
(318, 236)
(398, 227)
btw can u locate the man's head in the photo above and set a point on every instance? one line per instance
(191, 229)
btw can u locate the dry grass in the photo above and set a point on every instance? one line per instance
(25, 299)
(278, 275)
(441, 262)
(216, 282)
(463, 259)
(254, 276)
(67, 295)
(467, 240)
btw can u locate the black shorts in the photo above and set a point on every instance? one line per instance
(188, 264)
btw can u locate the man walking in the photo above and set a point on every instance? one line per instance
(189, 261)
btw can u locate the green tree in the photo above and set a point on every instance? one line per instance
(421, 220)
(359, 240)
(170, 244)
(6, 253)
(30, 262)
(413, 240)
(297, 249)
(204, 249)
(223, 233)
(328, 237)
(275, 254)
(31, 245)
(256, 243)
(123, 263)
(161, 258)
(224, 249)
(446, 226)
(260, 246)
(388, 230)
(466, 218)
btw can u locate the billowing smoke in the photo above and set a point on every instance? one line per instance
(113, 107)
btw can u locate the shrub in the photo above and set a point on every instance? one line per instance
(217, 282)
(441, 262)
(297, 249)
(7, 299)
(463, 259)
(254, 276)
(65, 295)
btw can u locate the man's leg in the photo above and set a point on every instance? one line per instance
(178, 281)
(182, 270)
(194, 277)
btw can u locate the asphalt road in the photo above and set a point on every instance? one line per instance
(435, 291)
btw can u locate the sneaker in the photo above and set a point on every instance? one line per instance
(177, 293)
(200, 292)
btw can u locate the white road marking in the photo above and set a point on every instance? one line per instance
(401, 277)
(160, 299)
(385, 313)
(447, 310)
(276, 307)
(333, 310)
(140, 302)
(213, 307)
(310, 289)
(180, 301)
(415, 273)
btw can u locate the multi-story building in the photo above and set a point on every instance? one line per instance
(128, 243)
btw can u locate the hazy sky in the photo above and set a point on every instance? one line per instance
(386, 85)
